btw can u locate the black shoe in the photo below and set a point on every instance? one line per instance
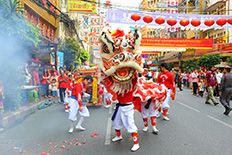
(216, 103)
(207, 102)
(228, 109)
(181, 90)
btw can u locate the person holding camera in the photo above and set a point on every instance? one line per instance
(210, 83)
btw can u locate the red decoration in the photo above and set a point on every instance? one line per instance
(147, 19)
(171, 21)
(184, 22)
(230, 20)
(209, 22)
(159, 20)
(195, 22)
(221, 21)
(135, 17)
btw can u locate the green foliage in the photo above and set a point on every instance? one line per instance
(209, 60)
(170, 66)
(229, 59)
(189, 65)
(84, 55)
(92, 65)
(73, 54)
(14, 25)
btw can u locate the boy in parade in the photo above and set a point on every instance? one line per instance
(75, 103)
(166, 78)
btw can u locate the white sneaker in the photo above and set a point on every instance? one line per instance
(115, 139)
(135, 147)
(107, 106)
(70, 130)
(65, 110)
(166, 118)
(158, 115)
(145, 129)
(80, 128)
(155, 130)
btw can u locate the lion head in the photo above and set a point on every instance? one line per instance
(120, 58)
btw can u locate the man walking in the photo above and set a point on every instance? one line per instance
(166, 78)
(226, 90)
(210, 83)
(194, 81)
(219, 77)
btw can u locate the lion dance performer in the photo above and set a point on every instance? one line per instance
(119, 65)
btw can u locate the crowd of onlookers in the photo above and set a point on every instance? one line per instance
(50, 82)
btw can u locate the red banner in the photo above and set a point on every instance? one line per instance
(216, 48)
(177, 43)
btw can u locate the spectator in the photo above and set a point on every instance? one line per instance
(36, 79)
(45, 83)
(54, 69)
(54, 85)
(219, 77)
(180, 78)
(184, 79)
(55, 77)
(60, 69)
(156, 74)
(201, 88)
(194, 76)
(210, 84)
(226, 90)
(187, 80)
(62, 85)
(28, 76)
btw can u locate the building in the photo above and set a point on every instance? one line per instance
(43, 14)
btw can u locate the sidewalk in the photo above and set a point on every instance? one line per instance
(10, 118)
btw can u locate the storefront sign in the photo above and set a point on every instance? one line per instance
(177, 43)
(216, 48)
(81, 6)
(60, 59)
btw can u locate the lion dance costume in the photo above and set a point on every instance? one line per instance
(119, 67)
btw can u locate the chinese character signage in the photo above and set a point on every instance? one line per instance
(82, 6)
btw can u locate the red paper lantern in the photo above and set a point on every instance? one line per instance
(221, 21)
(135, 17)
(171, 21)
(209, 22)
(184, 22)
(147, 19)
(196, 22)
(230, 20)
(159, 20)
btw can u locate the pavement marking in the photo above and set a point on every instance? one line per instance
(108, 128)
(188, 106)
(219, 121)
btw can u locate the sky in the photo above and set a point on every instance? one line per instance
(126, 4)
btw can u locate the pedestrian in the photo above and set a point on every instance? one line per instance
(54, 85)
(184, 75)
(55, 76)
(187, 80)
(75, 103)
(62, 85)
(156, 74)
(201, 88)
(219, 77)
(210, 83)
(36, 79)
(194, 76)
(226, 90)
(68, 92)
(166, 78)
(180, 79)
(54, 69)
(45, 83)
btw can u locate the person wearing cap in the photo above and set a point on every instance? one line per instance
(226, 90)
(210, 83)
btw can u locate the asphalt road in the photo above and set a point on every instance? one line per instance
(194, 129)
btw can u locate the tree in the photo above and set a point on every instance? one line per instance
(209, 60)
(16, 37)
(189, 65)
(229, 59)
(170, 66)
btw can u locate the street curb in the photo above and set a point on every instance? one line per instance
(11, 118)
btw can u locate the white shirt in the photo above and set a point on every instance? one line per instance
(218, 77)
(156, 74)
